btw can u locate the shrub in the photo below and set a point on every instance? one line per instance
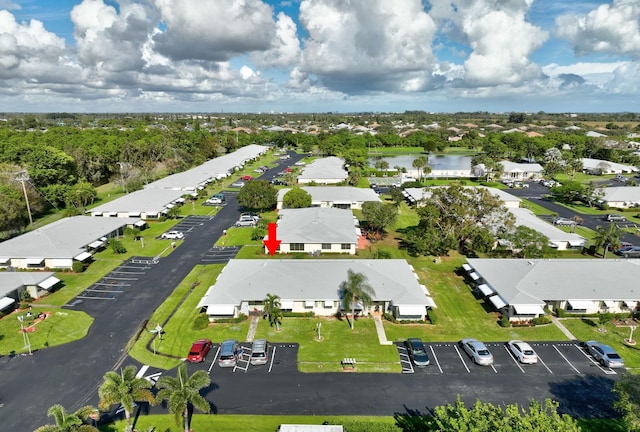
(389, 317)
(258, 233)
(432, 315)
(24, 305)
(382, 254)
(541, 320)
(504, 321)
(240, 318)
(77, 267)
(298, 314)
(201, 322)
(561, 313)
(116, 246)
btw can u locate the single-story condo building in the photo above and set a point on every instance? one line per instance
(558, 239)
(13, 284)
(599, 166)
(146, 204)
(329, 170)
(520, 171)
(313, 285)
(58, 244)
(317, 230)
(522, 288)
(344, 197)
(414, 195)
(621, 196)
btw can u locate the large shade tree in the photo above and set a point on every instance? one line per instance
(183, 392)
(69, 422)
(356, 289)
(258, 195)
(124, 388)
(296, 198)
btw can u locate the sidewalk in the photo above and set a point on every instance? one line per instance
(562, 328)
(382, 336)
(252, 328)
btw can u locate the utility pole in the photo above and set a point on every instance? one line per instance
(23, 176)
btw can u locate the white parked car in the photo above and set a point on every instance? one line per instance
(477, 351)
(522, 351)
(172, 235)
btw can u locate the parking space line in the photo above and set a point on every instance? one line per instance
(543, 363)
(215, 357)
(459, 355)
(599, 366)
(565, 359)
(494, 368)
(273, 355)
(515, 360)
(435, 358)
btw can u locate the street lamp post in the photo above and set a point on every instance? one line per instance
(25, 335)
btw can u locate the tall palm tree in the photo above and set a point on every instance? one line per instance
(272, 310)
(419, 163)
(68, 422)
(184, 391)
(124, 388)
(356, 289)
(607, 238)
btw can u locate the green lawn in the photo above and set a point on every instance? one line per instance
(588, 329)
(61, 327)
(252, 423)
(536, 208)
(338, 341)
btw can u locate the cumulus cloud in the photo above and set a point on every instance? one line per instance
(369, 45)
(214, 30)
(285, 48)
(500, 38)
(610, 28)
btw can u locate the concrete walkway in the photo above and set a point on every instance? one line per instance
(382, 336)
(562, 328)
(252, 328)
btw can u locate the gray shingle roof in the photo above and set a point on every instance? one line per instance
(312, 279)
(141, 201)
(533, 281)
(11, 281)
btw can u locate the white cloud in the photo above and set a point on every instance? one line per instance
(214, 30)
(625, 79)
(9, 5)
(610, 28)
(500, 38)
(285, 49)
(367, 45)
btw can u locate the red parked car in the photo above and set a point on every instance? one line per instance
(246, 178)
(199, 350)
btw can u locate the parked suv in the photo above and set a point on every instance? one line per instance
(229, 352)
(259, 352)
(246, 221)
(615, 218)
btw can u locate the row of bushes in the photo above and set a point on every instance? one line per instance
(542, 320)
(561, 313)
(432, 318)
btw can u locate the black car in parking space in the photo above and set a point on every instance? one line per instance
(417, 352)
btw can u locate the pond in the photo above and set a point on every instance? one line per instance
(436, 162)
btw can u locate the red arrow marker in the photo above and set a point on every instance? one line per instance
(271, 242)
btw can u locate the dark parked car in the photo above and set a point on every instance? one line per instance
(278, 182)
(199, 351)
(629, 252)
(417, 352)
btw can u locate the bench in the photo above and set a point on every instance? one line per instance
(348, 362)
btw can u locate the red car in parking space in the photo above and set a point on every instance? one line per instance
(199, 351)
(246, 177)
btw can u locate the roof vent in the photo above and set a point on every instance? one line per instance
(530, 262)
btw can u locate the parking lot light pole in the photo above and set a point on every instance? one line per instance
(25, 336)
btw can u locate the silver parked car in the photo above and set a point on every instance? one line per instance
(604, 354)
(229, 352)
(259, 352)
(478, 351)
(522, 351)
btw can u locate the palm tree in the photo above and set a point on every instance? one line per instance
(124, 388)
(607, 238)
(68, 422)
(272, 310)
(184, 391)
(419, 163)
(356, 289)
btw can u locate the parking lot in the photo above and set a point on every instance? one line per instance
(115, 283)
(220, 254)
(190, 223)
(554, 358)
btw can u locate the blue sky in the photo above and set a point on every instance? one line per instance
(319, 55)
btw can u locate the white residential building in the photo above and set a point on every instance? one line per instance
(313, 285)
(344, 197)
(599, 166)
(520, 171)
(329, 170)
(621, 196)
